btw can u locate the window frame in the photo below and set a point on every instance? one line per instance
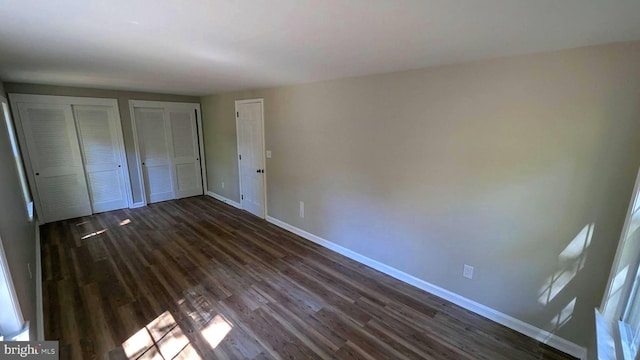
(629, 335)
(616, 338)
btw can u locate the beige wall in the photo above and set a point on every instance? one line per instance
(508, 165)
(16, 232)
(123, 98)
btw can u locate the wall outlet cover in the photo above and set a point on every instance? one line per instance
(467, 271)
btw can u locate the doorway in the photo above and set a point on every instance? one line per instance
(251, 155)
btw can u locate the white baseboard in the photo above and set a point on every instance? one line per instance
(224, 199)
(482, 310)
(138, 205)
(39, 301)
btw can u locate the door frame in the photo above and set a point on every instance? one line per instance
(264, 155)
(151, 104)
(16, 99)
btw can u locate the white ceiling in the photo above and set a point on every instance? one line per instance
(209, 46)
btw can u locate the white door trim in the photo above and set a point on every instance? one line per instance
(155, 104)
(21, 167)
(264, 159)
(203, 167)
(62, 100)
(16, 99)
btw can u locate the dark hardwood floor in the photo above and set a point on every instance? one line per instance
(196, 278)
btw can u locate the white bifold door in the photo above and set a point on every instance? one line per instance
(155, 155)
(168, 137)
(104, 156)
(74, 154)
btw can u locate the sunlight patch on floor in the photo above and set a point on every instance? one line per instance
(162, 338)
(137, 344)
(216, 330)
(94, 234)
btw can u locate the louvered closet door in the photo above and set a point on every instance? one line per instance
(53, 149)
(186, 157)
(155, 153)
(103, 152)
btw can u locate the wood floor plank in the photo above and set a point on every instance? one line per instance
(435, 345)
(199, 279)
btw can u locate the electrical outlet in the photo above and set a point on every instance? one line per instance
(468, 271)
(301, 209)
(223, 184)
(268, 154)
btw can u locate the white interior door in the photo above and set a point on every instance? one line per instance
(54, 154)
(250, 156)
(186, 152)
(103, 153)
(155, 153)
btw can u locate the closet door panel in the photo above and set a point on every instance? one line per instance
(186, 158)
(103, 152)
(56, 163)
(155, 153)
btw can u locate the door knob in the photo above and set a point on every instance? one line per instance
(37, 174)
(119, 165)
